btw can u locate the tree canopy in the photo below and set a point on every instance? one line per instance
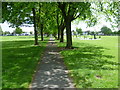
(18, 30)
(106, 30)
(54, 17)
(79, 30)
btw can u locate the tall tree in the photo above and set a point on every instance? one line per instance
(1, 32)
(35, 30)
(62, 27)
(41, 18)
(71, 11)
(19, 13)
(57, 19)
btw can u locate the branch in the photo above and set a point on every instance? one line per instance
(76, 17)
(62, 7)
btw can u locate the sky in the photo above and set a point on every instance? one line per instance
(97, 27)
(5, 27)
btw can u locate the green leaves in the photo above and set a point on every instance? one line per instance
(79, 30)
(18, 30)
(91, 21)
(17, 13)
(106, 30)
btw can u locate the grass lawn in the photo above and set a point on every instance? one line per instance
(93, 63)
(19, 60)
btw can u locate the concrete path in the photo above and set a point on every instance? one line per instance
(51, 73)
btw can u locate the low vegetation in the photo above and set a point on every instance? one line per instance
(19, 60)
(93, 63)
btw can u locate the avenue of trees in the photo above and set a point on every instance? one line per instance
(53, 17)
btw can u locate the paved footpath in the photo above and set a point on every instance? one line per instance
(51, 73)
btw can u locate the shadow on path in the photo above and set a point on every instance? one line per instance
(51, 72)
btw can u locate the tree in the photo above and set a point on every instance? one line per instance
(34, 21)
(49, 18)
(46, 18)
(111, 12)
(57, 19)
(39, 14)
(79, 31)
(119, 32)
(62, 27)
(106, 30)
(18, 30)
(6, 32)
(71, 11)
(114, 33)
(19, 13)
(1, 32)
(31, 32)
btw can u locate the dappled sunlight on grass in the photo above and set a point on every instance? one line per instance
(20, 58)
(90, 58)
(93, 64)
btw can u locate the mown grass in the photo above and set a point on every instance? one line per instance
(93, 63)
(19, 60)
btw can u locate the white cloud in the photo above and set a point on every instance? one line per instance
(5, 27)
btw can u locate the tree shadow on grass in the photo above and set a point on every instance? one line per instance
(88, 57)
(19, 60)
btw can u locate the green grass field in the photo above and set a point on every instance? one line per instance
(19, 60)
(93, 63)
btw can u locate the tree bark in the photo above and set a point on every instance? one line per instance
(41, 31)
(35, 30)
(54, 35)
(68, 33)
(68, 18)
(62, 36)
(58, 34)
(62, 27)
(94, 36)
(58, 27)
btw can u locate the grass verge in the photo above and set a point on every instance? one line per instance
(93, 63)
(19, 60)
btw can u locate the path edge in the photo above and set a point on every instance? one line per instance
(66, 67)
(37, 67)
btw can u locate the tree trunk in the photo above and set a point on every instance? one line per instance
(58, 27)
(48, 34)
(58, 34)
(62, 35)
(54, 35)
(68, 33)
(41, 32)
(94, 36)
(62, 27)
(35, 30)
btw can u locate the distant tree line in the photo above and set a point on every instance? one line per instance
(18, 31)
(104, 31)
